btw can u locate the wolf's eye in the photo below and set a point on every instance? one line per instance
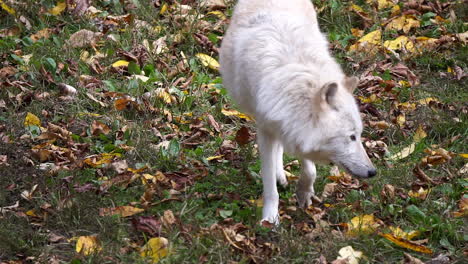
(353, 137)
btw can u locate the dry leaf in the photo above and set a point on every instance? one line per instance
(156, 248)
(123, 211)
(403, 153)
(8, 9)
(208, 61)
(59, 8)
(363, 224)
(214, 157)
(463, 207)
(98, 128)
(83, 38)
(404, 22)
(399, 233)
(419, 134)
(43, 33)
(31, 120)
(227, 112)
(88, 245)
(368, 42)
(406, 244)
(350, 255)
(120, 63)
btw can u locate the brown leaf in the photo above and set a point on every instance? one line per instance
(168, 218)
(98, 128)
(411, 260)
(7, 71)
(123, 211)
(419, 173)
(213, 123)
(243, 136)
(147, 224)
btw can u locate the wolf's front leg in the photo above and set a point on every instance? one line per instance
(280, 175)
(267, 145)
(305, 187)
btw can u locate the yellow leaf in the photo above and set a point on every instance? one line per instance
(258, 202)
(404, 22)
(31, 120)
(352, 256)
(208, 61)
(373, 37)
(43, 33)
(401, 119)
(419, 134)
(404, 83)
(400, 43)
(214, 157)
(363, 224)
(357, 8)
(419, 194)
(399, 233)
(372, 98)
(410, 22)
(227, 112)
(58, 8)
(463, 155)
(5, 7)
(120, 63)
(162, 94)
(87, 245)
(156, 248)
(384, 4)
(395, 10)
(425, 43)
(403, 153)
(123, 211)
(218, 13)
(103, 158)
(164, 9)
(357, 32)
(31, 213)
(406, 244)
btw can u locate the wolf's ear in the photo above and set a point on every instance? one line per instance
(328, 93)
(350, 83)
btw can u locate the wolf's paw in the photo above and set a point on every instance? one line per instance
(270, 214)
(281, 178)
(304, 198)
(270, 221)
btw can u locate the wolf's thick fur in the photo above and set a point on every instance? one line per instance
(276, 65)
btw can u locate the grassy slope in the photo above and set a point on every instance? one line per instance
(230, 183)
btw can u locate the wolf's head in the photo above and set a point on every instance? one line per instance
(338, 129)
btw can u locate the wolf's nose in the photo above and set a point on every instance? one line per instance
(371, 173)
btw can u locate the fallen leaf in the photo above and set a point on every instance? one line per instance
(228, 112)
(214, 157)
(83, 38)
(363, 224)
(31, 120)
(8, 9)
(419, 134)
(405, 152)
(404, 22)
(98, 128)
(463, 207)
(168, 218)
(120, 166)
(43, 33)
(463, 155)
(123, 211)
(399, 233)
(120, 63)
(88, 245)
(208, 61)
(384, 4)
(350, 255)
(242, 136)
(59, 8)
(421, 193)
(411, 260)
(406, 244)
(156, 248)
(368, 42)
(400, 43)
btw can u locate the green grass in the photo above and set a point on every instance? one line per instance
(209, 199)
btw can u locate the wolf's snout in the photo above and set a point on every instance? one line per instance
(371, 173)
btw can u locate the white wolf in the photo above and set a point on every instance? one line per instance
(276, 65)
